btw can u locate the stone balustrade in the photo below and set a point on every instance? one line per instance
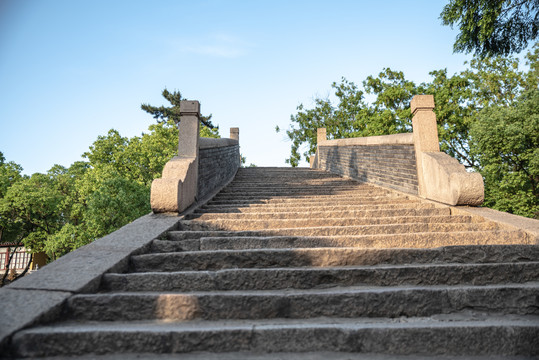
(203, 165)
(410, 162)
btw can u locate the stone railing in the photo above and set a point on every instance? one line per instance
(203, 165)
(410, 163)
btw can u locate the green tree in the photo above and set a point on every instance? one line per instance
(67, 208)
(492, 27)
(352, 116)
(34, 206)
(162, 113)
(506, 141)
(10, 173)
(455, 111)
(339, 121)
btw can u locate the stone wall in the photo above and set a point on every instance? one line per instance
(409, 162)
(218, 161)
(392, 166)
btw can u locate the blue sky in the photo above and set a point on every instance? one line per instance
(71, 70)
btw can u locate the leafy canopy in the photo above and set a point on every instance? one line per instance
(492, 27)
(162, 113)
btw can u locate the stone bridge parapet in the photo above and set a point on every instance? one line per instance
(203, 165)
(410, 162)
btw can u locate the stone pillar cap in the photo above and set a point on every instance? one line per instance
(422, 102)
(189, 107)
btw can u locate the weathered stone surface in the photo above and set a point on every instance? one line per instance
(448, 181)
(245, 276)
(509, 221)
(260, 224)
(483, 335)
(349, 302)
(22, 308)
(392, 166)
(216, 167)
(322, 213)
(286, 261)
(353, 230)
(271, 257)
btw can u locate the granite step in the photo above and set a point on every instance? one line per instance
(356, 230)
(320, 206)
(368, 196)
(262, 224)
(266, 183)
(322, 214)
(468, 333)
(416, 240)
(330, 257)
(308, 277)
(347, 302)
(235, 188)
(305, 201)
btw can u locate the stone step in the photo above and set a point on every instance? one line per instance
(364, 193)
(247, 355)
(454, 334)
(237, 278)
(320, 206)
(329, 257)
(349, 302)
(243, 224)
(329, 188)
(283, 178)
(384, 229)
(298, 194)
(305, 182)
(300, 201)
(193, 240)
(322, 214)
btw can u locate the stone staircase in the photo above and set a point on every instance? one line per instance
(296, 263)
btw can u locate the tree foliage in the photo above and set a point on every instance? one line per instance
(164, 114)
(352, 116)
(506, 141)
(491, 89)
(492, 27)
(66, 208)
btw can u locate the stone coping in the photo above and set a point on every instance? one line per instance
(510, 221)
(209, 143)
(39, 296)
(395, 139)
(505, 220)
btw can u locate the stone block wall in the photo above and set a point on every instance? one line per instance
(392, 166)
(217, 165)
(409, 162)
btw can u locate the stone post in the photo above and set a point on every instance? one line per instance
(177, 188)
(235, 133)
(314, 160)
(321, 135)
(425, 132)
(189, 128)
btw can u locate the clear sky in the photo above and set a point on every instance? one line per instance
(70, 70)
